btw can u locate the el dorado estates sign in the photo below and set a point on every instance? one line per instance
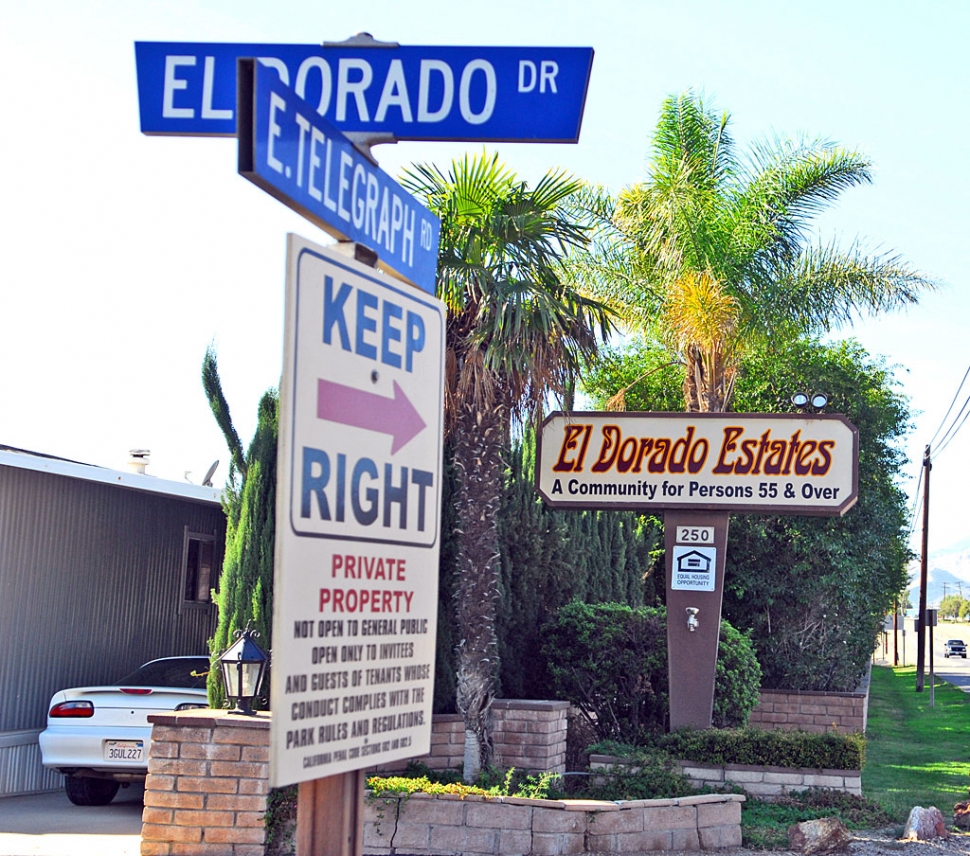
(755, 463)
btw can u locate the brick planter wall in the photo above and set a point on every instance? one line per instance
(527, 735)
(763, 782)
(208, 771)
(767, 782)
(811, 711)
(491, 826)
(205, 794)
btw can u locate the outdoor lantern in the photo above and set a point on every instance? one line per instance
(243, 666)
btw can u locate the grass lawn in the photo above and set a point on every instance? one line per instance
(916, 754)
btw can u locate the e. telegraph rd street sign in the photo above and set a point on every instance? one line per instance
(302, 160)
(487, 94)
(742, 462)
(358, 508)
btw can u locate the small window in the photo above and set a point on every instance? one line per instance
(200, 568)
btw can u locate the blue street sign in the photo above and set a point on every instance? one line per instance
(302, 160)
(505, 94)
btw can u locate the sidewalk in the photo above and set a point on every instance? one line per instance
(49, 825)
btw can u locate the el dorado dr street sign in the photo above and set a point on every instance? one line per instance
(357, 534)
(408, 92)
(741, 462)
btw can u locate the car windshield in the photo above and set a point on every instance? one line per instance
(955, 642)
(180, 672)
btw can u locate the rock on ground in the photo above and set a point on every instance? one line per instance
(924, 824)
(824, 835)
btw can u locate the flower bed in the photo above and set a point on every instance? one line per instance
(444, 824)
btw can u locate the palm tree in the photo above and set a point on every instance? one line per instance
(515, 334)
(712, 251)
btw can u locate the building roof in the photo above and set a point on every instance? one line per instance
(26, 460)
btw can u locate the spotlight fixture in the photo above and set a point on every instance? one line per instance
(802, 400)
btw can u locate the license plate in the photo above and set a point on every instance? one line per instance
(124, 750)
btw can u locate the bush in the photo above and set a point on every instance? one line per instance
(653, 775)
(737, 678)
(767, 748)
(610, 660)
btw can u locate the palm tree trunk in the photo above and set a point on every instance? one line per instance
(478, 469)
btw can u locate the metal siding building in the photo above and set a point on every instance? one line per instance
(92, 565)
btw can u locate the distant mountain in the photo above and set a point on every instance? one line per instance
(948, 572)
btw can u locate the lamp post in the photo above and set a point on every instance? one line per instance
(243, 666)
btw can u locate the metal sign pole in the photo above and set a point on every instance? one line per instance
(696, 548)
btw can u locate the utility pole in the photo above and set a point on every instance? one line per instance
(921, 615)
(896, 631)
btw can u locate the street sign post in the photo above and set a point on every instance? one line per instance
(475, 94)
(302, 160)
(358, 508)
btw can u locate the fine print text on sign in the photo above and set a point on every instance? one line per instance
(706, 461)
(413, 93)
(302, 160)
(357, 519)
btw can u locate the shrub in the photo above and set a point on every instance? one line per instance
(647, 773)
(492, 782)
(610, 660)
(737, 678)
(757, 747)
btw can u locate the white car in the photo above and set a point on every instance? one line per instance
(98, 737)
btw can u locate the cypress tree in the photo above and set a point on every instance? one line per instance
(245, 593)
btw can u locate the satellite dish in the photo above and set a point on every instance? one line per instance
(207, 479)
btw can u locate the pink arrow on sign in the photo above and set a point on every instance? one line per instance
(347, 405)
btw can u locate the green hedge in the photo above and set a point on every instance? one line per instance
(610, 660)
(757, 747)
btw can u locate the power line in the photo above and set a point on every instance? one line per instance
(948, 438)
(955, 396)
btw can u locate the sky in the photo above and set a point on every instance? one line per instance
(123, 256)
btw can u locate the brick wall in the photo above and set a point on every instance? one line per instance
(480, 826)
(208, 771)
(205, 794)
(811, 711)
(527, 735)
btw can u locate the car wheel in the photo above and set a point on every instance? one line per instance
(83, 791)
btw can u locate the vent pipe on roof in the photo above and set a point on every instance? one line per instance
(139, 460)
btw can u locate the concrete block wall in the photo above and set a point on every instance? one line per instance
(208, 777)
(763, 782)
(494, 826)
(805, 710)
(768, 782)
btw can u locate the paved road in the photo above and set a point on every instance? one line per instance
(49, 825)
(955, 670)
